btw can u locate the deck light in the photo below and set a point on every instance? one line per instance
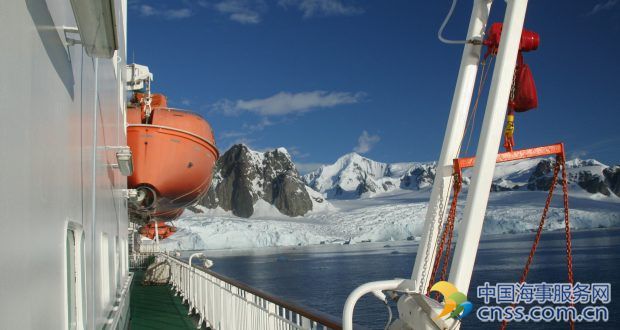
(96, 23)
(125, 161)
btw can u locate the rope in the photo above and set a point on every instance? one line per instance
(472, 118)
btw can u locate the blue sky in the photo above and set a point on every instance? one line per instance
(327, 77)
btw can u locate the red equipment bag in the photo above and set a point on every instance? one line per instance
(524, 96)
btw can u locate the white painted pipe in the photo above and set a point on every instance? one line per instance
(455, 131)
(490, 138)
(372, 287)
(190, 278)
(93, 224)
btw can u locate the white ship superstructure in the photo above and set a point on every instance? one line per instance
(63, 210)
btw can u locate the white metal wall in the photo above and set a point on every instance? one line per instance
(53, 168)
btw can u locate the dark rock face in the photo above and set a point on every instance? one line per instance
(289, 194)
(612, 178)
(233, 175)
(242, 176)
(366, 185)
(502, 186)
(418, 177)
(542, 177)
(592, 183)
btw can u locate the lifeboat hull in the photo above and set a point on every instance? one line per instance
(173, 159)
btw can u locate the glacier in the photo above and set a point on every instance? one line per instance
(393, 216)
(357, 200)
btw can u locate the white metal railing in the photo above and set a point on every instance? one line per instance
(119, 315)
(225, 304)
(148, 247)
(140, 260)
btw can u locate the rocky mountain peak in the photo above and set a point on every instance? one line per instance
(243, 176)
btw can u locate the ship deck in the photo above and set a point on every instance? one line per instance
(156, 307)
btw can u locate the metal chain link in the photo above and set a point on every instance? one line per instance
(541, 225)
(560, 163)
(569, 249)
(448, 231)
(450, 224)
(439, 224)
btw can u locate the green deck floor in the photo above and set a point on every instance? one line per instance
(155, 307)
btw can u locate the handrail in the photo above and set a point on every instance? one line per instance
(118, 317)
(312, 316)
(140, 260)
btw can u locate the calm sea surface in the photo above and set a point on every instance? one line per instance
(322, 276)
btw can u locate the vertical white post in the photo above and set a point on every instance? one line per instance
(190, 277)
(490, 138)
(455, 130)
(156, 236)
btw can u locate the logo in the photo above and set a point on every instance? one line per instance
(455, 302)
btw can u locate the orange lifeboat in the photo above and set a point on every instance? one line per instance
(174, 154)
(163, 230)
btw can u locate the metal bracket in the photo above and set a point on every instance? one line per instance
(71, 30)
(129, 194)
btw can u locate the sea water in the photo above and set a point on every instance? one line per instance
(322, 276)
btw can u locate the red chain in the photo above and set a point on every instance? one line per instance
(448, 231)
(560, 162)
(450, 224)
(569, 250)
(530, 258)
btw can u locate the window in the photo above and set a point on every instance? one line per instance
(74, 253)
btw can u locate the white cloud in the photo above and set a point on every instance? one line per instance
(245, 18)
(312, 8)
(231, 134)
(151, 11)
(177, 13)
(242, 11)
(603, 6)
(366, 142)
(246, 11)
(285, 103)
(296, 152)
(248, 129)
(146, 10)
(261, 125)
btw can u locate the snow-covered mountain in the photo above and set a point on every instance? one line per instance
(355, 176)
(374, 201)
(248, 183)
(352, 176)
